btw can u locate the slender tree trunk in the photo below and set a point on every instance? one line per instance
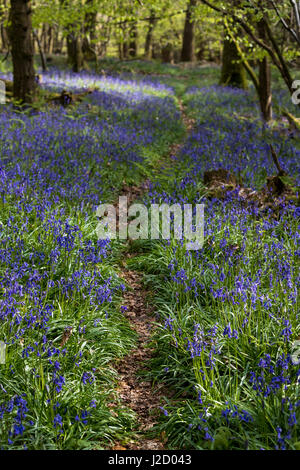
(188, 43)
(133, 46)
(43, 39)
(265, 91)
(4, 38)
(125, 43)
(3, 31)
(125, 50)
(265, 94)
(50, 40)
(120, 48)
(149, 36)
(41, 52)
(22, 51)
(58, 41)
(106, 33)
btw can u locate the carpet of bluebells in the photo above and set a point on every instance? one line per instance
(228, 313)
(61, 316)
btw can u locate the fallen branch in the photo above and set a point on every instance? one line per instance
(294, 122)
(67, 98)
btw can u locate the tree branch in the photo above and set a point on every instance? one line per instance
(137, 20)
(297, 14)
(284, 23)
(274, 54)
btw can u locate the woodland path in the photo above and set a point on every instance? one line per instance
(141, 396)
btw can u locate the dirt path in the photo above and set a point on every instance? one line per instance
(141, 396)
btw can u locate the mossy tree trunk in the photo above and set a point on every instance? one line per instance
(22, 51)
(233, 72)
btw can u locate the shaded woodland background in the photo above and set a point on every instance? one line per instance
(243, 36)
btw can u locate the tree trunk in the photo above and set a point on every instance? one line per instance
(233, 72)
(125, 48)
(120, 49)
(133, 46)
(4, 38)
(75, 55)
(74, 42)
(50, 40)
(265, 91)
(22, 51)
(43, 38)
(3, 31)
(88, 48)
(167, 54)
(265, 94)
(202, 44)
(149, 36)
(57, 41)
(188, 43)
(41, 52)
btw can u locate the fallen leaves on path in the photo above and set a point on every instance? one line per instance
(135, 393)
